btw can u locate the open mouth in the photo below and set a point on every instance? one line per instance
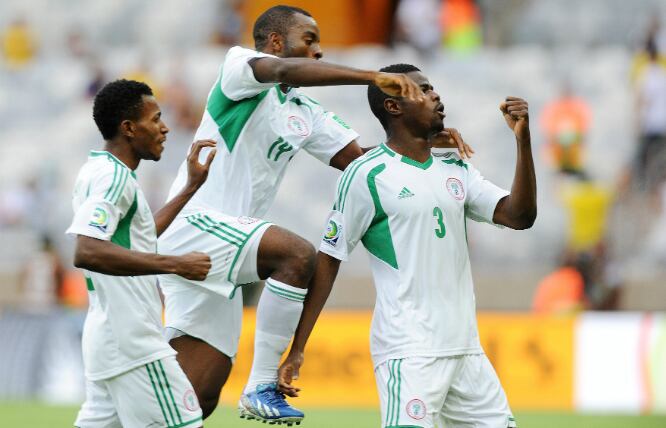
(440, 110)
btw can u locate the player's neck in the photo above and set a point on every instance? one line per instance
(408, 145)
(123, 152)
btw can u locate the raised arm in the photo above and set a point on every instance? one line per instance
(110, 259)
(196, 176)
(311, 72)
(320, 287)
(519, 209)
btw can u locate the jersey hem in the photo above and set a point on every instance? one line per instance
(130, 366)
(379, 360)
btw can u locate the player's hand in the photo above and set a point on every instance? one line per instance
(194, 266)
(516, 114)
(196, 171)
(399, 85)
(288, 372)
(450, 138)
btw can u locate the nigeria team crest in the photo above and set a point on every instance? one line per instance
(455, 188)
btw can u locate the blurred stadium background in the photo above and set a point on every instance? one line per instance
(571, 312)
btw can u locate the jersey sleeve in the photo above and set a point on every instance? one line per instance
(482, 196)
(330, 134)
(238, 81)
(107, 199)
(350, 218)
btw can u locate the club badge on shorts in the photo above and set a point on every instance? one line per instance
(416, 409)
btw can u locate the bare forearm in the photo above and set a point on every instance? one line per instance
(168, 212)
(309, 72)
(319, 290)
(519, 209)
(111, 259)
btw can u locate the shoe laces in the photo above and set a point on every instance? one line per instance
(274, 397)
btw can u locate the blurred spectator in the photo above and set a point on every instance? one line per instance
(586, 278)
(97, 79)
(42, 278)
(461, 24)
(77, 44)
(565, 122)
(560, 291)
(143, 74)
(650, 164)
(417, 24)
(229, 23)
(179, 102)
(18, 44)
(17, 203)
(587, 204)
(655, 39)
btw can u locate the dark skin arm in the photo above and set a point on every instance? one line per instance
(319, 289)
(311, 72)
(110, 259)
(519, 209)
(196, 176)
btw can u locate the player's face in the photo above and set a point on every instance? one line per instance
(427, 115)
(302, 40)
(149, 131)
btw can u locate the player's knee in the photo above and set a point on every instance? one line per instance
(301, 261)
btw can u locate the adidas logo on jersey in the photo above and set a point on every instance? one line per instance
(405, 193)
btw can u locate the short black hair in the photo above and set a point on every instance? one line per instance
(275, 20)
(376, 96)
(117, 101)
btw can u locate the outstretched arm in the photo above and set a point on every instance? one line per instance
(519, 209)
(196, 176)
(108, 258)
(320, 287)
(311, 72)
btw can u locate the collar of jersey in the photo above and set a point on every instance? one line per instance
(405, 159)
(96, 153)
(281, 95)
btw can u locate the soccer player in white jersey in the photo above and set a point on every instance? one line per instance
(409, 207)
(260, 122)
(132, 377)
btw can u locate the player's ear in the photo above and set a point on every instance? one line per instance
(392, 106)
(276, 42)
(127, 128)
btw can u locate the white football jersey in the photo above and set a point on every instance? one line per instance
(123, 328)
(258, 129)
(411, 217)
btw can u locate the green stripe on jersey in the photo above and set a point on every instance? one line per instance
(377, 239)
(229, 115)
(122, 235)
(89, 284)
(350, 172)
(458, 162)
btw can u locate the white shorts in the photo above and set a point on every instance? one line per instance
(451, 392)
(211, 310)
(155, 395)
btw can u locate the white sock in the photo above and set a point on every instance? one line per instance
(278, 313)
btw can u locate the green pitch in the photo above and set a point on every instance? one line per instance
(34, 415)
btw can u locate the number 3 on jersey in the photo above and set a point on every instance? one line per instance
(440, 231)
